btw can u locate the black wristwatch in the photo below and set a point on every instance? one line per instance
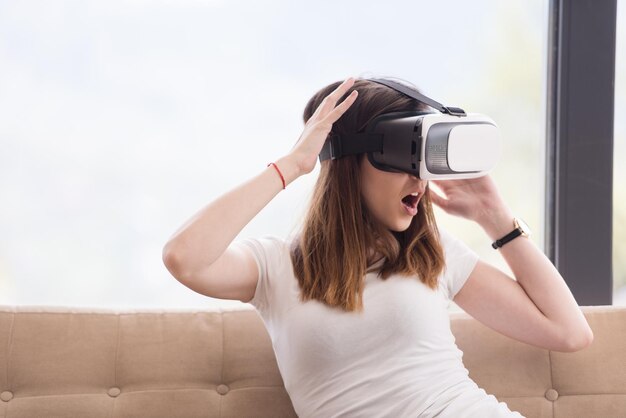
(521, 229)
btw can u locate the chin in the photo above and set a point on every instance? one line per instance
(400, 227)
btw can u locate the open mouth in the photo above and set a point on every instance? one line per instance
(409, 202)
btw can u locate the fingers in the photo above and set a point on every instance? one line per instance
(341, 90)
(340, 110)
(330, 101)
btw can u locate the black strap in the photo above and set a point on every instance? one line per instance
(455, 111)
(508, 237)
(337, 146)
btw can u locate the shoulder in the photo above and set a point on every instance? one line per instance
(451, 244)
(460, 260)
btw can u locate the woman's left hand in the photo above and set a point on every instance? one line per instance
(475, 199)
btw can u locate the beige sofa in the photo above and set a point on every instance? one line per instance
(64, 362)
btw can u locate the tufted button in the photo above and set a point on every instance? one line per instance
(552, 394)
(6, 396)
(222, 389)
(114, 391)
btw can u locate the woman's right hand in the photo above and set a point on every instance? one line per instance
(306, 150)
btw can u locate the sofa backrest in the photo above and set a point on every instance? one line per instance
(543, 383)
(69, 362)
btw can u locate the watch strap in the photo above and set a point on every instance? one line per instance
(508, 237)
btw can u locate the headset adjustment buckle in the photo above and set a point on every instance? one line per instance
(335, 146)
(454, 111)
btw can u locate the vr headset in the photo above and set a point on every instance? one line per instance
(448, 144)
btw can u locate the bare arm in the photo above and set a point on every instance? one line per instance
(203, 239)
(479, 200)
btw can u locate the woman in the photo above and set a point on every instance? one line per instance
(356, 302)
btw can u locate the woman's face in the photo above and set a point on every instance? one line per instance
(383, 192)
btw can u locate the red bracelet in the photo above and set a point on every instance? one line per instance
(279, 173)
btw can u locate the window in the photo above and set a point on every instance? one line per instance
(120, 120)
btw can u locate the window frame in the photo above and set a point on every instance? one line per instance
(579, 146)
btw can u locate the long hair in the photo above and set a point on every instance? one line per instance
(330, 251)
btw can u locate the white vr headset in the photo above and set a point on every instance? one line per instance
(448, 144)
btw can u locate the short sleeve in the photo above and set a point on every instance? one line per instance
(460, 261)
(267, 253)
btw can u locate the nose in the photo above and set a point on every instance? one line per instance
(418, 182)
(414, 177)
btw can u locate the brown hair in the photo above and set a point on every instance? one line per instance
(330, 252)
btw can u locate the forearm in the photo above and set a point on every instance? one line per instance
(206, 235)
(537, 276)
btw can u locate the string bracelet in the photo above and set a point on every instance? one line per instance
(279, 173)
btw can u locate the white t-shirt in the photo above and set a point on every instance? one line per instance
(398, 358)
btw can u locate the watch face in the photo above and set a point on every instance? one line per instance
(523, 226)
